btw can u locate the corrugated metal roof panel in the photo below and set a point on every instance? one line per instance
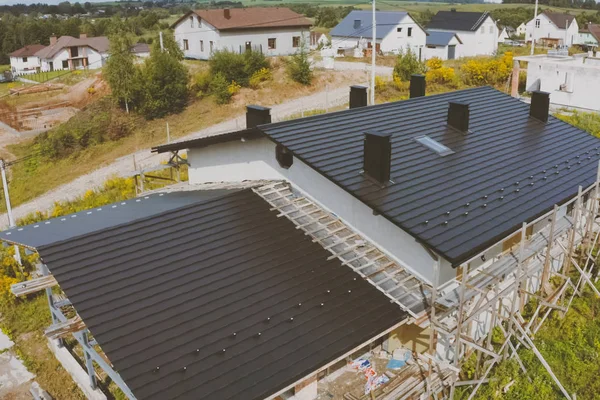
(227, 299)
(464, 202)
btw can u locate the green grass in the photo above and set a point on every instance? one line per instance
(46, 76)
(4, 68)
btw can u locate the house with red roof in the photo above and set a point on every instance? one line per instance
(274, 31)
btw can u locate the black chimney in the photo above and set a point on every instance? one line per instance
(257, 115)
(458, 115)
(417, 85)
(227, 13)
(358, 96)
(378, 156)
(540, 105)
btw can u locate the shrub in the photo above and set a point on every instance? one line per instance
(201, 82)
(220, 89)
(380, 83)
(437, 73)
(494, 71)
(434, 63)
(237, 67)
(408, 64)
(262, 75)
(233, 88)
(299, 68)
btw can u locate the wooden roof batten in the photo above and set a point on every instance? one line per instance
(363, 257)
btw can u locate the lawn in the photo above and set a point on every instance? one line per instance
(46, 76)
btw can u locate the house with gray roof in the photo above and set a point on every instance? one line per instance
(395, 31)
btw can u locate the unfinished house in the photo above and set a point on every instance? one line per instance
(358, 254)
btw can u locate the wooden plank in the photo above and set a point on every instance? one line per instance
(33, 285)
(66, 328)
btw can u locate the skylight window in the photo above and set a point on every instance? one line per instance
(434, 145)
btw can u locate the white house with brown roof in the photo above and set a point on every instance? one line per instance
(551, 28)
(24, 61)
(275, 31)
(72, 53)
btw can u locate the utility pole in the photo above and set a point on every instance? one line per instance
(533, 28)
(168, 134)
(373, 50)
(11, 220)
(162, 47)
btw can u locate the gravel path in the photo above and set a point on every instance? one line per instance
(144, 158)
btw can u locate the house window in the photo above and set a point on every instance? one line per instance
(24, 59)
(186, 45)
(537, 23)
(409, 33)
(430, 46)
(272, 43)
(296, 41)
(65, 64)
(398, 30)
(211, 46)
(191, 21)
(202, 46)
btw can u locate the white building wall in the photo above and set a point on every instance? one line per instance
(482, 42)
(199, 34)
(255, 159)
(18, 66)
(582, 82)
(400, 41)
(95, 60)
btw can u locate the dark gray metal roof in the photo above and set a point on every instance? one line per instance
(457, 20)
(508, 169)
(111, 215)
(245, 134)
(227, 299)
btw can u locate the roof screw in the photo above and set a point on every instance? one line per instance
(531, 177)
(292, 319)
(485, 197)
(556, 166)
(544, 171)
(447, 212)
(466, 213)
(557, 172)
(156, 369)
(589, 157)
(501, 197)
(485, 205)
(197, 350)
(268, 319)
(299, 304)
(354, 278)
(578, 156)
(426, 222)
(234, 334)
(258, 334)
(545, 177)
(322, 304)
(184, 369)
(569, 167)
(531, 184)
(328, 291)
(578, 162)
(502, 189)
(349, 291)
(445, 222)
(517, 190)
(223, 350)
(517, 183)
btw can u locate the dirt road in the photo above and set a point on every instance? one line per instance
(144, 158)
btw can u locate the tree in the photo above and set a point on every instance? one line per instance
(120, 71)
(165, 81)
(407, 64)
(299, 67)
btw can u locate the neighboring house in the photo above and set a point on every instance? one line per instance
(69, 53)
(571, 81)
(521, 29)
(506, 33)
(141, 50)
(395, 32)
(553, 29)
(589, 36)
(24, 61)
(274, 31)
(444, 45)
(318, 39)
(477, 31)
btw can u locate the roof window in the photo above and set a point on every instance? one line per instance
(434, 145)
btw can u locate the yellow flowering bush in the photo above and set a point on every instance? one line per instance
(233, 88)
(262, 75)
(380, 83)
(434, 63)
(487, 71)
(437, 73)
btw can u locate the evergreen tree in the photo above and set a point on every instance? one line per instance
(165, 81)
(299, 67)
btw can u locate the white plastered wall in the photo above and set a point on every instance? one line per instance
(255, 159)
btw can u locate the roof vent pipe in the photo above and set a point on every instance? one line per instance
(358, 96)
(540, 105)
(227, 13)
(458, 115)
(257, 115)
(378, 156)
(417, 85)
